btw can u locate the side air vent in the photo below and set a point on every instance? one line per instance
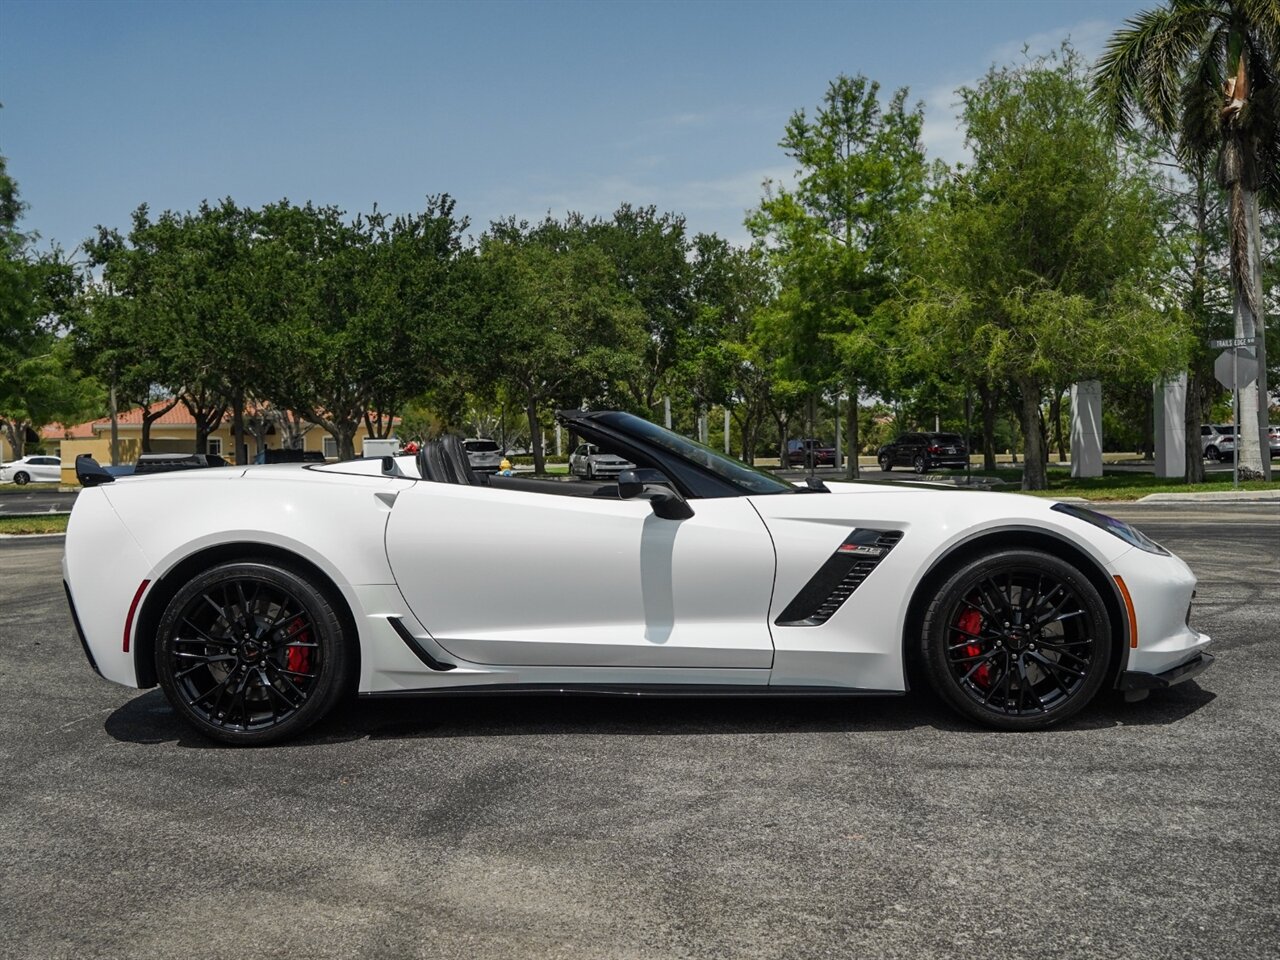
(842, 573)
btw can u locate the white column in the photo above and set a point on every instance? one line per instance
(1086, 429)
(1169, 405)
(557, 438)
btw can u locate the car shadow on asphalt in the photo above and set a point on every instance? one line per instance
(148, 719)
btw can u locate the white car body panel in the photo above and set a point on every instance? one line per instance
(516, 587)
(513, 578)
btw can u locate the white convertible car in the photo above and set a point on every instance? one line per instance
(258, 597)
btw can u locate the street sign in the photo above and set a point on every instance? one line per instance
(1236, 369)
(1232, 342)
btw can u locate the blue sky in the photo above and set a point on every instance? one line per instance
(513, 108)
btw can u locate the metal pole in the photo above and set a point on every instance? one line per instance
(726, 430)
(666, 412)
(1235, 405)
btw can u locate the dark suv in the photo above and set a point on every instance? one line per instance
(924, 451)
(802, 452)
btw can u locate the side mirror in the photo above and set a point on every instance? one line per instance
(90, 473)
(665, 500)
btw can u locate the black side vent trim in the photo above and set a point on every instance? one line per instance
(412, 643)
(835, 581)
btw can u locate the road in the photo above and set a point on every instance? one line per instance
(18, 502)
(540, 827)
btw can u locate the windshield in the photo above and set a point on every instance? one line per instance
(480, 446)
(734, 471)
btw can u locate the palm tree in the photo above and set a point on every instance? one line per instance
(1204, 74)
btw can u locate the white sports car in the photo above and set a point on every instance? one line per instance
(257, 597)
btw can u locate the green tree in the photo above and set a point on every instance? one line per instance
(361, 311)
(859, 167)
(1205, 72)
(558, 326)
(38, 380)
(1037, 261)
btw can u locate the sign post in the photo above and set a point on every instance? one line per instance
(1233, 380)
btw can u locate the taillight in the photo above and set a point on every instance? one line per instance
(935, 449)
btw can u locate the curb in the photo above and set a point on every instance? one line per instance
(32, 536)
(1211, 496)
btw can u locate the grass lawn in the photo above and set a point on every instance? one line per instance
(54, 523)
(26, 487)
(1123, 485)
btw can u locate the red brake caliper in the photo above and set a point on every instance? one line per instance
(971, 622)
(298, 659)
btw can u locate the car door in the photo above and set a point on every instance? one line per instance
(512, 577)
(51, 469)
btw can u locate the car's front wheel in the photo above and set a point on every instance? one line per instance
(21, 478)
(1017, 640)
(251, 653)
(886, 464)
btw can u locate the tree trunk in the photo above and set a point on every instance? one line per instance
(1191, 428)
(988, 398)
(237, 430)
(1055, 415)
(1253, 450)
(782, 441)
(1033, 466)
(535, 435)
(149, 417)
(346, 438)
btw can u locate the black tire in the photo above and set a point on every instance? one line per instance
(920, 465)
(1041, 665)
(252, 653)
(22, 478)
(885, 463)
(1211, 453)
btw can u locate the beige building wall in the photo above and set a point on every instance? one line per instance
(178, 439)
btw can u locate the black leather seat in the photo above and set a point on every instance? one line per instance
(455, 455)
(432, 464)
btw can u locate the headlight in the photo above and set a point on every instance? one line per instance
(1113, 526)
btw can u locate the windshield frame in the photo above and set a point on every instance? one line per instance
(744, 479)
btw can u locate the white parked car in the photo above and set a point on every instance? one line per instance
(35, 467)
(485, 456)
(1218, 441)
(290, 586)
(587, 460)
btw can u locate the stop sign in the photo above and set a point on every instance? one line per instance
(1228, 370)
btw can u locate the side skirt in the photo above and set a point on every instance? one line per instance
(656, 690)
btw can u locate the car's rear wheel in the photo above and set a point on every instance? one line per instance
(1017, 640)
(1211, 453)
(252, 653)
(920, 464)
(21, 478)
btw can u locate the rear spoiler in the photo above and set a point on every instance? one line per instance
(90, 473)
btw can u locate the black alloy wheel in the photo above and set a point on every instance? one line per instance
(886, 462)
(1211, 453)
(251, 653)
(1017, 640)
(21, 478)
(920, 464)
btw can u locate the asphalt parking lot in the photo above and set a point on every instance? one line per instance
(542, 827)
